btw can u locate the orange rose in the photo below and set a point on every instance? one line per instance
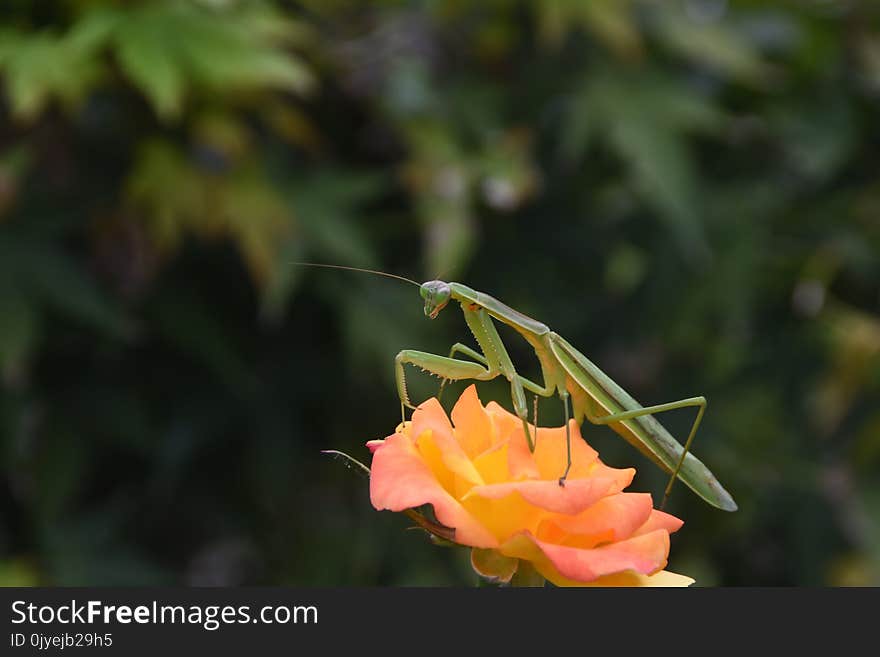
(506, 503)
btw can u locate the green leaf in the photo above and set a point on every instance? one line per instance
(611, 21)
(18, 572)
(53, 281)
(645, 118)
(147, 58)
(18, 328)
(712, 44)
(223, 53)
(614, 23)
(450, 235)
(194, 328)
(665, 175)
(328, 206)
(94, 28)
(10, 40)
(63, 286)
(43, 65)
(493, 566)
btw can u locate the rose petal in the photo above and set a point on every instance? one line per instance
(430, 416)
(574, 497)
(493, 465)
(445, 451)
(660, 520)
(433, 434)
(506, 516)
(503, 422)
(400, 479)
(520, 461)
(645, 554)
(628, 578)
(617, 515)
(473, 429)
(508, 429)
(551, 452)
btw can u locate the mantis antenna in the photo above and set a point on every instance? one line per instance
(360, 269)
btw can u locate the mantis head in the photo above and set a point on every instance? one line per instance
(436, 295)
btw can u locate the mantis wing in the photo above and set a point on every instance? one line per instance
(591, 388)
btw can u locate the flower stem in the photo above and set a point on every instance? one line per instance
(526, 575)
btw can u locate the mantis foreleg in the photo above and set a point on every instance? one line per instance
(531, 386)
(458, 347)
(454, 369)
(650, 410)
(448, 368)
(493, 361)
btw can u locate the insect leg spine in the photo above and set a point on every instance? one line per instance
(403, 387)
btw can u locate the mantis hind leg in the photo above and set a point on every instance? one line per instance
(699, 402)
(684, 452)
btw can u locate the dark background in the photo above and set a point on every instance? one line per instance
(688, 191)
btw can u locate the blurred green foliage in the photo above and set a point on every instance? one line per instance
(688, 191)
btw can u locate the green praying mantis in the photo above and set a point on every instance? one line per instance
(585, 390)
